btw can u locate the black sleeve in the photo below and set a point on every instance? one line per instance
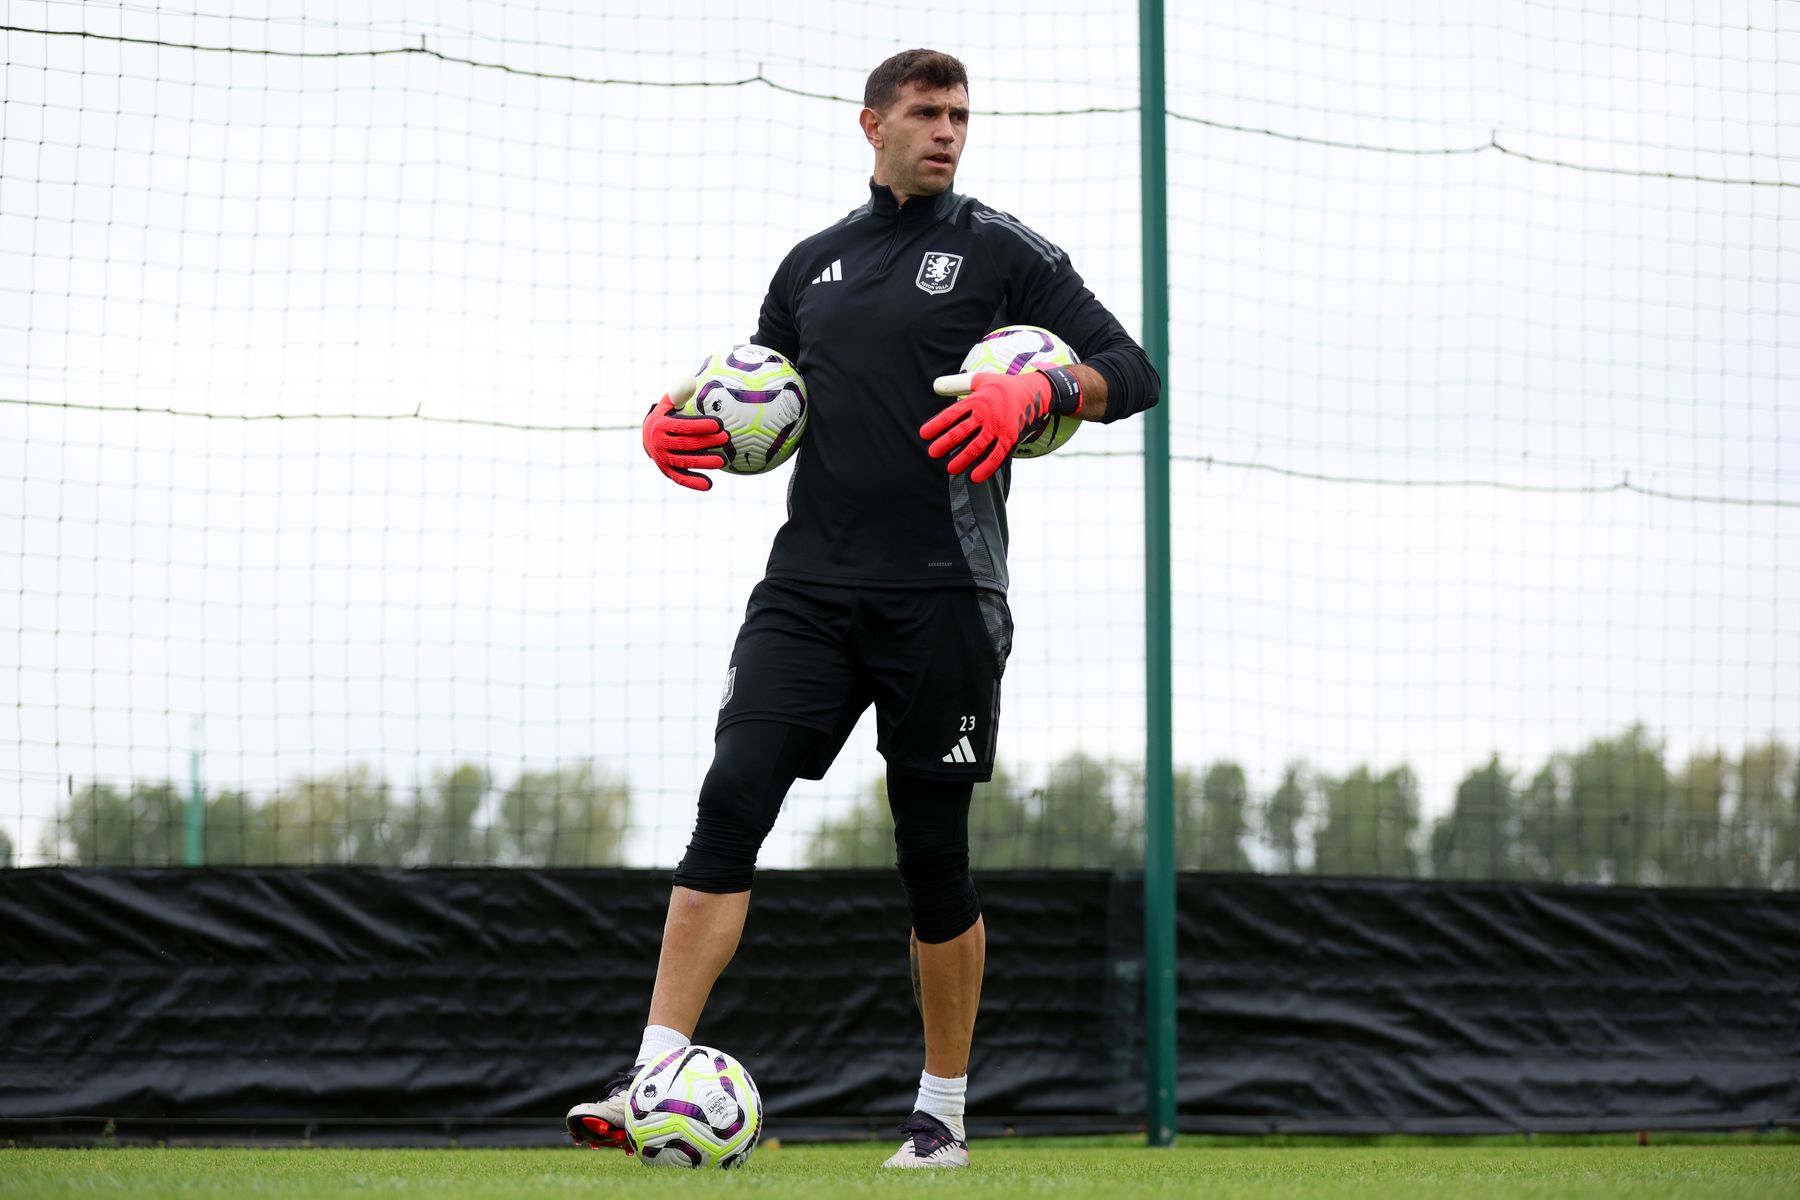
(775, 326)
(1048, 291)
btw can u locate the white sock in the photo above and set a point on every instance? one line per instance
(659, 1040)
(943, 1099)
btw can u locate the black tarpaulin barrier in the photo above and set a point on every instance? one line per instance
(1372, 1006)
(462, 1000)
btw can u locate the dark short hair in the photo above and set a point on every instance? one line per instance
(929, 68)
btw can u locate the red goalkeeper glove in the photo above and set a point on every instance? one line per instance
(994, 412)
(678, 445)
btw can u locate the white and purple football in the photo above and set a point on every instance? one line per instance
(695, 1107)
(758, 397)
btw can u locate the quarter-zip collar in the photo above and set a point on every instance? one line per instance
(882, 204)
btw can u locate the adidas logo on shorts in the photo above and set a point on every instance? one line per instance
(962, 752)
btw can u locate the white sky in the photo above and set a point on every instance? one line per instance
(250, 234)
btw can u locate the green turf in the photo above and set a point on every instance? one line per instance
(1465, 1171)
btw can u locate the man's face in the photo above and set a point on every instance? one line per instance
(919, 139)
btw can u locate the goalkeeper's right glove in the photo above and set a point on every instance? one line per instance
(678, 444)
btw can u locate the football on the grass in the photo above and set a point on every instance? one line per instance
(695, 1108)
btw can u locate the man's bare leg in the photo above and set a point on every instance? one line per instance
(947, 986)
(699, 938)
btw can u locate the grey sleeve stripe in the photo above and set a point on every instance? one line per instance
(1046, 250)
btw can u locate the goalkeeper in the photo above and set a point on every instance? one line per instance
(887, 584)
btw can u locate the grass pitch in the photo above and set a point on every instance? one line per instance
(1055, 1168)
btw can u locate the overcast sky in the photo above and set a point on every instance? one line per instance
(1508, 248)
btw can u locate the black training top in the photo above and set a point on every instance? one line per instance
(871, 311)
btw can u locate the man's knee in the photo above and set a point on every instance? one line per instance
(752, 768)
(931, 835)
(940, 892)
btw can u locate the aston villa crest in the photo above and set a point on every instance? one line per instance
(937, 274)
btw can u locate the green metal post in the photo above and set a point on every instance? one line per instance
(1159, 750)
(196, 808)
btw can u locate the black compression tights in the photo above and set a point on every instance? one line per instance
(756, 762)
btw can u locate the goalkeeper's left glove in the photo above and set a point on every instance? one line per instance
(677, 444)
(994, 412)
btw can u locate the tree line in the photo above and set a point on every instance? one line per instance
(572, 815)
(1614, 811)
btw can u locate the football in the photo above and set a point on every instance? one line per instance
(758, 397)
(1016, 348)
(695, 1107)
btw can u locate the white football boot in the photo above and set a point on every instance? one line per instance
(600, 1124)
(929, 1143)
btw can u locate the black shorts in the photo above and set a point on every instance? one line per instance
(928, 659)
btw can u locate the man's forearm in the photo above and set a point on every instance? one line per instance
(1093, 392)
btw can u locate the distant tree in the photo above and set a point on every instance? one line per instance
(862, 837)
(1618, 808)
(1692, 848)
(379, 830)
(6, 850)
(1076, 826)
(234, 822)
(1212, 820)
(1128, 788)
(1284, 817)
(344, 816)
(1369, 824)
(299, 824)
(1190, 819)
(159, 825)
(1546, 852)
(1007, 829)
(1785, 847)
(1001, 833)
(1762, 834)
(103, 827)
(448, 816)
(1478, 837)
(573, 816)
(1128, 806)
